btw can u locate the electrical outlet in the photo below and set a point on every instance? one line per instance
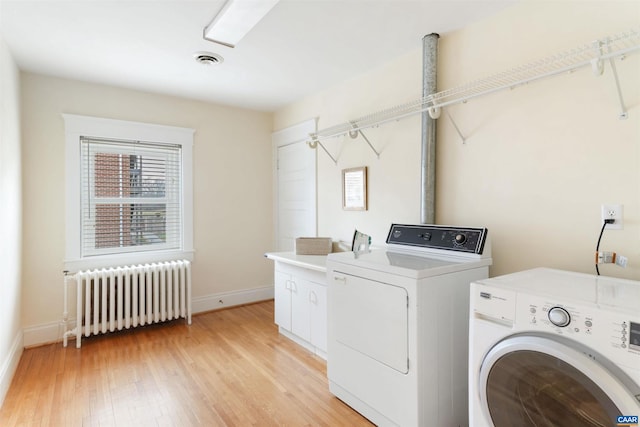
(613, 212)
(621, 261)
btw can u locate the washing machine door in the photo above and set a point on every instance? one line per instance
(543, 381)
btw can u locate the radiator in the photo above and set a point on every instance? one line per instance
(112, 299)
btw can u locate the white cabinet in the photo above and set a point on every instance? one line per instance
(318, 315)
(282, 295)
(301, 305)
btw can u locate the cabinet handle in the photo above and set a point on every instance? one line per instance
(340, 279)
(313, 298)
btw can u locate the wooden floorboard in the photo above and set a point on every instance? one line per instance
(229, 368)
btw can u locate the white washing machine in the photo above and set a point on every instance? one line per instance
(554, 348)
(398, 324)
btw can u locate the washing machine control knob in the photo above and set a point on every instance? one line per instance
(559, 316)
(460, 238)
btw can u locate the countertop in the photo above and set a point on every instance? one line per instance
(312, 262)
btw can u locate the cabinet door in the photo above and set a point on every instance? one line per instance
(282, 296)
(300, 323)
(318, 315)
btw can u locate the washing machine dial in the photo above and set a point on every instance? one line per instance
(460, 238)
(559, 316)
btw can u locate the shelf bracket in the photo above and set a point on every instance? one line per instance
(455, 126)
(623, 110)
(597, 66)
(354, 134)
(314, 144)
(435, 112)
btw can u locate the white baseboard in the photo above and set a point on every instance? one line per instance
(306, 344)
(47, 333)
(9, 365)
(229, 299)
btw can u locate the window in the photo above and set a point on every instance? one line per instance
(128, 195)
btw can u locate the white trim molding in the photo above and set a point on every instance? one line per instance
(77, 126)
(45, 333)
(51, 332)
(296, 133)
(10, 365)
(230, 299)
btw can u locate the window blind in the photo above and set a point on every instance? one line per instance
(130, 196)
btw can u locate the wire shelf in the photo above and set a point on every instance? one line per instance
(590, 55)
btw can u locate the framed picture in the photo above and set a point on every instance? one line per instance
(354, 189)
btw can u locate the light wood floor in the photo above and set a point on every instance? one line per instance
(229, 368)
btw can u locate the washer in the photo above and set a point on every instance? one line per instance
(554, 348)
(398, 324)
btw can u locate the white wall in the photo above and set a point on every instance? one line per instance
(10, 219)
(232, 199)
(538, 160)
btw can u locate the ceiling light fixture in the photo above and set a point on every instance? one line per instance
(208, 58)
(235, 20)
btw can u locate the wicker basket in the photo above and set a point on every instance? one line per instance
(313, 245)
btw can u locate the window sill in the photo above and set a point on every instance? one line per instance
(117, 260)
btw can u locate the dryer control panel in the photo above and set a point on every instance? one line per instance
(459, 239)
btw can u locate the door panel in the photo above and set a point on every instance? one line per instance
(318, 313)
(282, 300)
(300, 320)
(296, 194)
(373, 319)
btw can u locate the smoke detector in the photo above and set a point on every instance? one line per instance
(208, 58)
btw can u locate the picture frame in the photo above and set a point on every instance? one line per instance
(354, 189)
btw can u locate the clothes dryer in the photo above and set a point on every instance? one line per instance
(554, 348)
(398, 324)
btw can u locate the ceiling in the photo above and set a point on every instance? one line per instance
(299, 48)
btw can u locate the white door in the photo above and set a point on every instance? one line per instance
(373, 319)
(295, 188)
